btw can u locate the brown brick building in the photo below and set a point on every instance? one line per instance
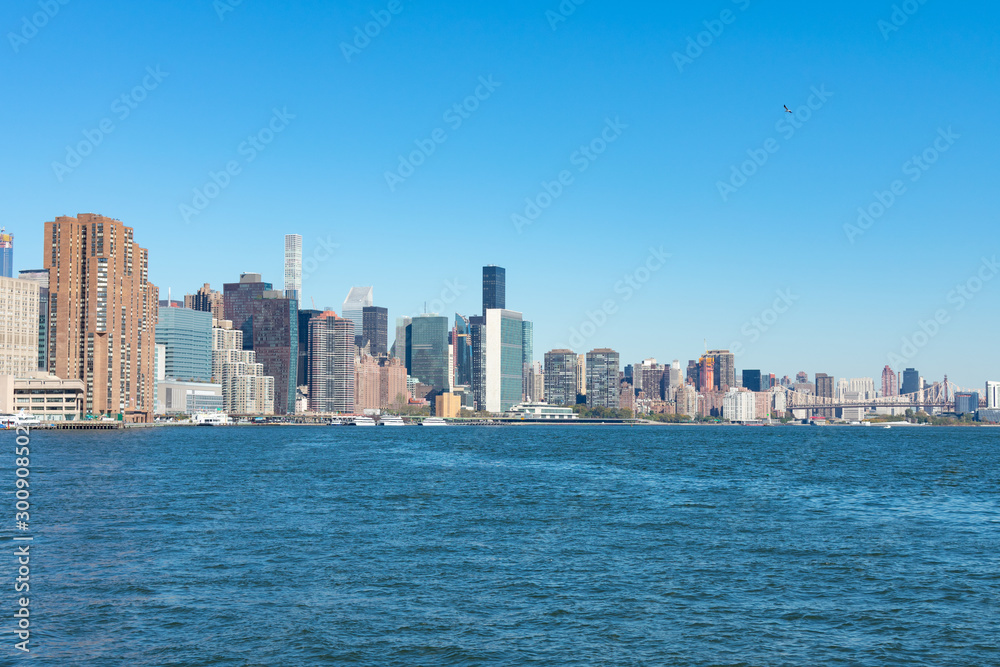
(102, 314)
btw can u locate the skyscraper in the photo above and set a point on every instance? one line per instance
(187, 337)
(824, 389)
(724, 368)
(293, 266)
(41, 276)
(966, 402)
(331, 358)
(270, 325)
(504, 359)
(560, 377)
(18, 326)
(102, 314)
(207, 300)
(463, 351)
(354, 307)
(992, 394)
(428, 342)
(375, 329)
(751, 380)
(6, 254)
(494, 288)
(911, 381)
(890, 387)
(401, 346)
(602, 378)
(302, 373)
(527, 356)
(477, 350)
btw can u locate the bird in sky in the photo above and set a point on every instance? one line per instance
(787, 110)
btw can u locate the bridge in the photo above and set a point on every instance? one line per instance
(938, 395)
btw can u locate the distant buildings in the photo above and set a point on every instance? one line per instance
(207, 300)
(494, 288)
(379, 384)
(992, 394)
(503, 359)
(245, 388)
(602, 378)
(6, 254)
(911, 381)
(560, 377)
(187, 337)
(966, 402)
(354, 308)
(724, 368)
(18, 326)
(824, 389)
(739, 405)
(890, 387)
(41, 276)
(375, 330)
(293, 266)
(102, 314)
(331, 358)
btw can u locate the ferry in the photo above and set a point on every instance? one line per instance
(433, 421)
(336, 422)
(362, 421)
(392, 420)
(20, 419)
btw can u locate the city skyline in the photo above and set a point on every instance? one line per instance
(783, 276)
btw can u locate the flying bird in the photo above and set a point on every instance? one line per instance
(787, 110)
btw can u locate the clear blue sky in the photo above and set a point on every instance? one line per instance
(656, 185)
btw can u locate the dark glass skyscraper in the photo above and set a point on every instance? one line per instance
(428, 336)
(375, 329)
(911, 381)
(494, 287)
(270, 325)
(302, 374)
(477, 350)
(463, 351)
(751, 380)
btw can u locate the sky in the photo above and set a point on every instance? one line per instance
(630, 164)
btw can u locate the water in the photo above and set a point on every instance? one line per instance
(513, 546)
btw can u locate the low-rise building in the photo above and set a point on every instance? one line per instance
(542, 411)
(189, 398)
(45, 396)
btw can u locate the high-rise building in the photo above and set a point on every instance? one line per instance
(494, 288)
(270, 325)
(428, 342)
(477, 351)
(739, 405)
(207, 300)
(686, 400)
(911, 381)
(375, 329)
(602, 378)
(824, 389)
(102, 314)
(331, 357)
(724, 369)
(504, 359)
(6, 254)
(401, 346)
(18, 326)
(187, 337)
(463, 351)
(527, 355)
(751, 380)
(581, 375)
(41, 276)
(890, 387)
(293, 266)
(302, 372)
(354, 307)
(966, 402)
(992, 394)
(536, 385)
(706, 373)
(245, 388)
(560, 377)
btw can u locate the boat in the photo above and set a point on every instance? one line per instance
(22, 418)
(888, 426)
(212, 420)
(391, 420)
(335, 422)
(362, 421)
(433, 421)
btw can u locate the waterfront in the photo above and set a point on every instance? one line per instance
(606, 545)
